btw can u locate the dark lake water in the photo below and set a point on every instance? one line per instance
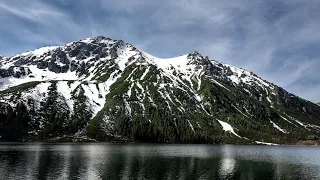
(153, 161)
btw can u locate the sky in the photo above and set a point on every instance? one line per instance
(279, 40)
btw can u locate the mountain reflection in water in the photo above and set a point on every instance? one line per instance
(155, 161)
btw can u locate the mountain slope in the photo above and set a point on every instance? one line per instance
(104, 89)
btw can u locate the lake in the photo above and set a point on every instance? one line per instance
(157, 161)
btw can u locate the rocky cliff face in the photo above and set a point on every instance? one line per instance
(106, 90)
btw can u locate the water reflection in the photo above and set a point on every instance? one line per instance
(227, 164)
(116, 161)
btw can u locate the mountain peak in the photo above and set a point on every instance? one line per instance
(99, 38)
(95, 40)
(197, 59)
(106, 89)
(195, 53)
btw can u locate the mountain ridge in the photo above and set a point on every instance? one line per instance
(103, 89)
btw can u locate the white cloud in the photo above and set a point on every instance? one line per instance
(276, 40)
(35, 11)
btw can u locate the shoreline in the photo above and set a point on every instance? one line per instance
(312, 143)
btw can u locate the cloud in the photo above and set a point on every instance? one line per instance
(34, 11)
(30, 24)
(278, 40)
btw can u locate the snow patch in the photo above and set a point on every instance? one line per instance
(240, 111)
(36, 75)
(190, 125)
(277, 127)
(220, 84)
(145, 73)
(287, 120)
(265, 143)
(65, 91)
(38, 52)
(38, 94)
(128, 108)
(228, 127)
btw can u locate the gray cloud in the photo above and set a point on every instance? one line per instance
(278, 40)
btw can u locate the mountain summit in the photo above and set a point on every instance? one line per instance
(107, 90)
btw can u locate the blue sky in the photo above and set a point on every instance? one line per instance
(278, 40)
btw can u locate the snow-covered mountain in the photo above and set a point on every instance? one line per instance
(103, 89)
